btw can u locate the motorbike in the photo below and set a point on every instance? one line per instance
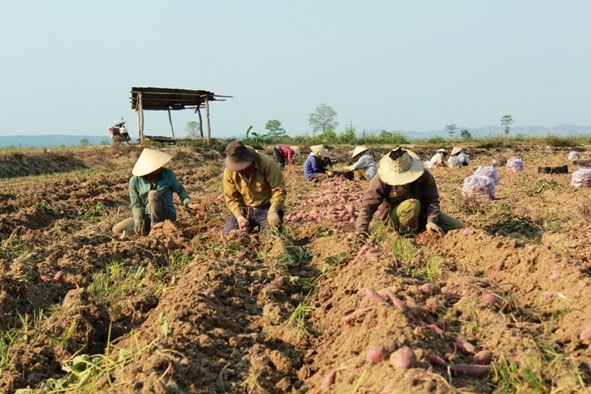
(119, 133)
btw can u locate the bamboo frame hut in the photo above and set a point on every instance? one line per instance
(164, 99)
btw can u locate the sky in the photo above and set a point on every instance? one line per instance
(68, 65)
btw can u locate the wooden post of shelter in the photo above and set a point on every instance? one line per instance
(208, 124)
(170, 121)
(200, 121)
(140, 119)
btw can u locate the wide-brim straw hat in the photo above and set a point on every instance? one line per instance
(405, 169)
(296, 150)
(238, 156)
(456, 150)
(359, 150)
(149, 161)
(320, 150)
(441, 150)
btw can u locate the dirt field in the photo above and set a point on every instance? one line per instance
(499, 306)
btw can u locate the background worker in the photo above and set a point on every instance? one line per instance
(151, 190)
(365, 166)
(254, 189)
(458, 152)
(284, 154)
(405, 195)
(314, 166)
(438, 158)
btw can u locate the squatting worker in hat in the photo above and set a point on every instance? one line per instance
(284, 154)
(365, 166)
(151, 191)
(314, 166)
(406, 196)
(438, 158)
(254, 189)
(464, 159)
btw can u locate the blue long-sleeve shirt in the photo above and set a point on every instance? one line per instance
(166, 184)
(313, 165)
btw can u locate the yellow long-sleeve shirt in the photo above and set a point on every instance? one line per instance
(265, 186)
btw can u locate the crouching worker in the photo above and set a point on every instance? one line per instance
(284, 154)
(254, 189)
(151, 191)
(315, 164)
(406, 196)
(364, 167)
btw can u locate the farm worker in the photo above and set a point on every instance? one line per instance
(438, 158)
(254, 189)
(459, 152)
(365, 166)
(406, 196)
(284, 153)
(151, 191)
(314, 166)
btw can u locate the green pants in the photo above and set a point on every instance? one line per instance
(405, 218)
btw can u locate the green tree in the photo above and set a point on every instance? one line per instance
(465, 134)
(191, 128)
(323, 119)
(348, 136)
(507, 120)
(451, 129)
(275, 129)
(84, 142)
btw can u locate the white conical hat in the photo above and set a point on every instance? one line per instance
(456, 150)
(149, 161)
(320, 150)
(358, 150)
(296, 150)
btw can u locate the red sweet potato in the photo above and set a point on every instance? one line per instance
(483, 357)
(436, 360)
(403, 358)
(328, 380)
(464, 346)
(476, 371)
(397, 302)
(374, 296)
(356, 314)
(491, 298)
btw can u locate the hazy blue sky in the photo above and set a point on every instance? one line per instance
(68, 66)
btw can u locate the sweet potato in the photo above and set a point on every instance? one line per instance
(464, 346)
(403, 358)
(377, 354)
(436, 360)
(374, 296)
(397, 302)
(430, 289)
(476, 371)
(491, 298)
(356, 314)
(483, 357)
(328, 380)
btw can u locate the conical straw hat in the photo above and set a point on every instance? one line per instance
(456, 150)
(149, 161)
(296, 150)
(358, 150)
(404, 169)
(320, 149)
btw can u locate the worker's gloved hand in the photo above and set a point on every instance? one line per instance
(433, 228)
(242, 222)
(273, 218)
(346, 168)
(329, 173)
(138, 227)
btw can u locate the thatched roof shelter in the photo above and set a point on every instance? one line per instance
(164, 99)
